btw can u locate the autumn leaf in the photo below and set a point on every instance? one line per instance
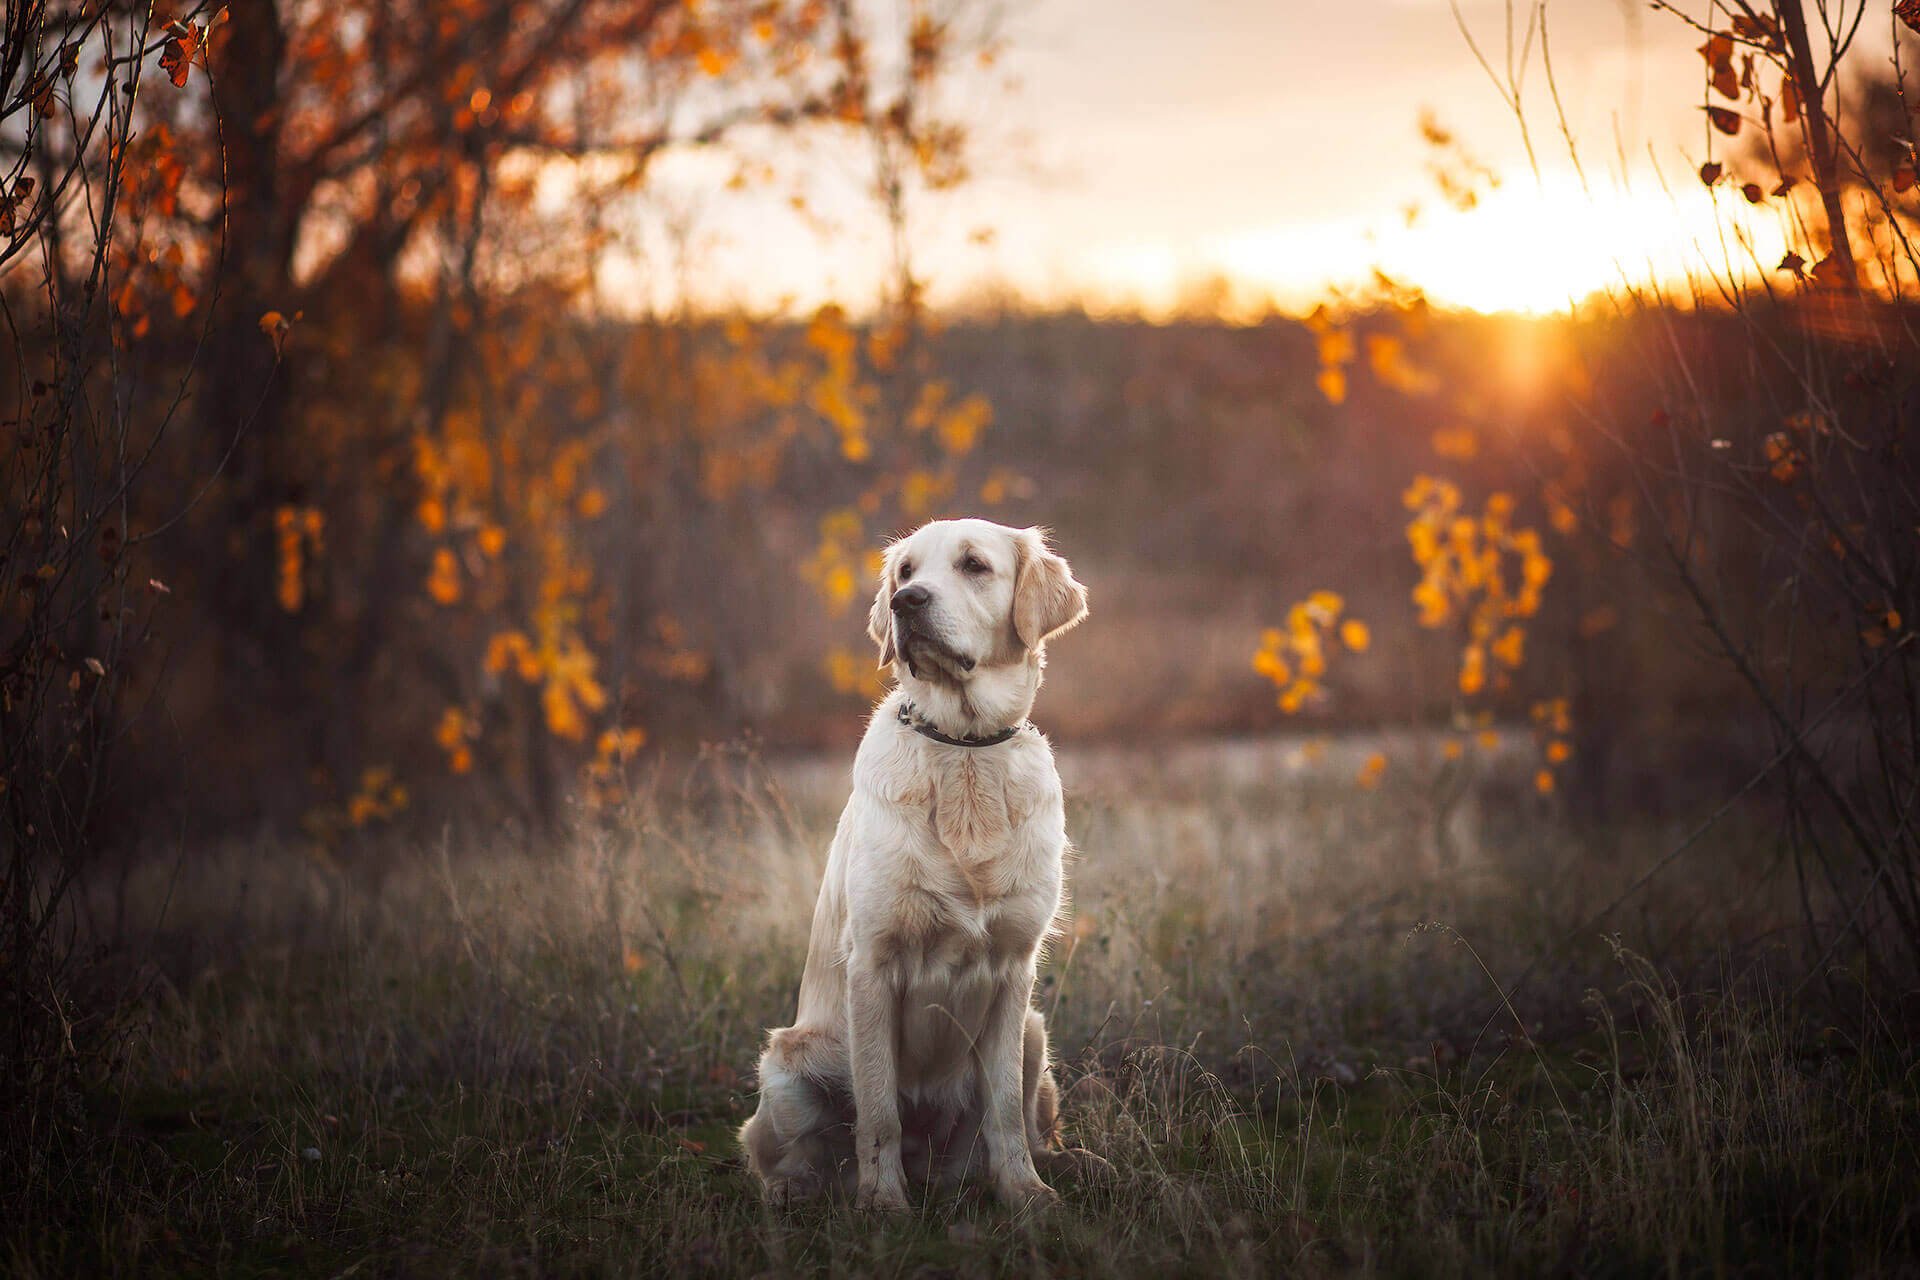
(1830, 271)
(443, 583)
(1763, 30)
(1903, 178)
(1473, 670)
(276, 327)
(1908, 11)
(1793, 262)
(1727, 122)
(1783, 459)
(176, 58)
(1753, 193)
(1510, 648)
(1710, 173)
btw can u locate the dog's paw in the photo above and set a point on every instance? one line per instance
(785, 1193)
(1076, 1162)
(1025, 1193)
(880, 1197)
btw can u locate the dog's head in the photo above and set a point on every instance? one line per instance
(961, 598)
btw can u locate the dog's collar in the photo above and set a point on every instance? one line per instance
(911, 718)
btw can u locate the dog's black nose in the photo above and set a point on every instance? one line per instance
(911, 599)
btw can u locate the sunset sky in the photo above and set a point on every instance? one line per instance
(1127, 150)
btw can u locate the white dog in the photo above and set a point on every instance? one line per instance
(915, 1046)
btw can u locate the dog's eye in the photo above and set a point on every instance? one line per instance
(906, 570)
(973, 564)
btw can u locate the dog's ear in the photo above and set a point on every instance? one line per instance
(1046, 599)
(880, 620)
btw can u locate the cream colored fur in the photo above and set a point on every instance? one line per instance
(916, 1051)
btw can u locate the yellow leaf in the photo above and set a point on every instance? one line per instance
(1355, 635)
(562, 716)
(1271, 665)
(1473, 670)
(443, 582)
(1510, 647)
(1543, 782)
(452, 729)
(1558, 751)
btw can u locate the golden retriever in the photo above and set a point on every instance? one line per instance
(916, 1048)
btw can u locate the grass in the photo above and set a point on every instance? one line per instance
(1279, 1011)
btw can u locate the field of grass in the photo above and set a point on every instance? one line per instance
(1278, 1010)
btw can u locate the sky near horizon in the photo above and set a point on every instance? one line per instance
(1126, 152)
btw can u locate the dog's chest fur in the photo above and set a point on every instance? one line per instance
(977, 880)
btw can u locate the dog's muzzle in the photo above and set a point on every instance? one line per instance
(916, 641)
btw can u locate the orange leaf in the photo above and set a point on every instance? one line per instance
(276, 327)
(176, 59)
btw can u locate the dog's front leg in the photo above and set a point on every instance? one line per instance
(1002, 1065)
(872, 1018)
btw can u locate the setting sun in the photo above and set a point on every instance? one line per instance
(1523, 249)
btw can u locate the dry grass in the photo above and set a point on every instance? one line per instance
(1276, 1007)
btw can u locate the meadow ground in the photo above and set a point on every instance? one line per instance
(1287, 1009)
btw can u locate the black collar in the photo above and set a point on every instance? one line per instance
(911, 718)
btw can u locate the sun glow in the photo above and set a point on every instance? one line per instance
(1527, 249)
